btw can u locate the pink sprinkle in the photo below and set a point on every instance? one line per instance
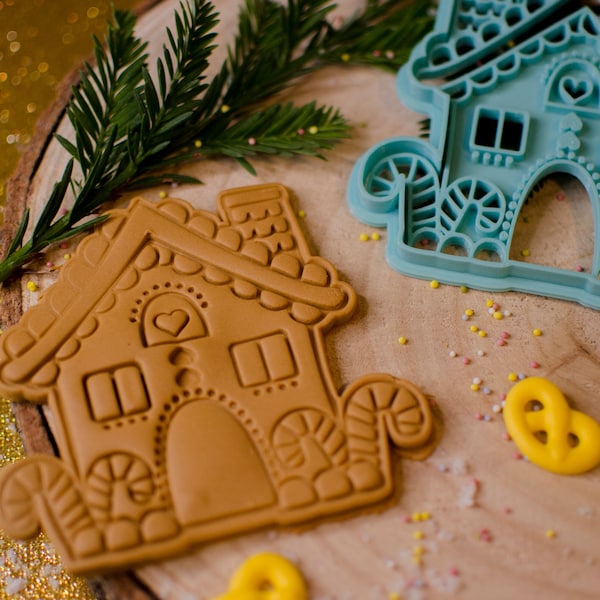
(501, 342)
(475, 482)
(507, 510)
(300, 131)
(517, 456)
(252, 141)
(534, 364)
(376, 53)
(466, 361)
(49, 264)
(579, 268)
(505, 335)
(506, 436)
(478, 416)
(64, 245)
(454, 572)
(560, 196)
(407, 519)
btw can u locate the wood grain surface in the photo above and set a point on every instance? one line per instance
(499, 527)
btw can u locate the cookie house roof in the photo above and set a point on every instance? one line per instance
(257, 240)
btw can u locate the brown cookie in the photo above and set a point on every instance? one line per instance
(183, 361)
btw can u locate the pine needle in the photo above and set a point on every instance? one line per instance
(133, 131)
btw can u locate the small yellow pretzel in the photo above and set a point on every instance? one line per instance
(266, 576)
(554, 437)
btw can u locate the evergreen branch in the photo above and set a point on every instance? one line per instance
(130, 130)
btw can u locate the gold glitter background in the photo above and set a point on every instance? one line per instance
(40, 42)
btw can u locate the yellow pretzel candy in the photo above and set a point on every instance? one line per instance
(266, 576)
(554, 437)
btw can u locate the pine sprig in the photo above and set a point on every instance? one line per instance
(132, 130)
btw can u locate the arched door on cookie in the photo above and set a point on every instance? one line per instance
(213, 467)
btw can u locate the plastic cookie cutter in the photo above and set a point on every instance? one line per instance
(266, 576)
(512, 93)
(547, 431)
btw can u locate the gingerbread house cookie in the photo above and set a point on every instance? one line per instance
(181, 355)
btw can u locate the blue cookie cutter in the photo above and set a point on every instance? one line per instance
(512, 91)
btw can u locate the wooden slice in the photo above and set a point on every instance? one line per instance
(470, 521)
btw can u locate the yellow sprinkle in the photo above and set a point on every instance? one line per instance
(464, 289)
(418, 551)
(301, 214)
(482, 333)
(418, 535)
(375, 237)
(32, 286)
(198, 143)
(475, 387)
(425, 516)
(363, 237)
(394, 596)
(489, 303)
(345, 57)
(225, 108)
(474, 328)
(162, 194)
(434, 284)
(498, 315)
(313, 129)
(513, 377)
(67, 256)
(550, 533)
(525, 252)
(537, 332)
(469, 312)
(416, 516)
(402, 340)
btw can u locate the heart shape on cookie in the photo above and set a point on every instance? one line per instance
(172, 323)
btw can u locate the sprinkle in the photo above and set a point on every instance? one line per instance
(474, 387)
(63, 245)
(579, 268)
(32, 286)
(49, 264)
(501, 342)
(67, 256)
(560, 196)
(550, 533)
(389, 54)
(376, 53)
(434, 284)
(375, 237)
(534, 364)
(518, 456)
(486, 390)
(363, 237)
(512, 376)
(498, 315)
(522, 376)
(402, 340)
(454, 572)
(394, 596)
(497, 408)
(301, 131)
(162, 194)
(345, 57)
(418, 535)
(418, 550)
(477, 380)
(469, 312)
(506, 436)
(480, 353)
(464, 289)
(198, 143)
(489, 303)
(537, 332)
(466, 361)
(313, 129)
(301, 214)
(482, 333)
(505, 335)
(452, 354)
(485, 535)
(474, 328)
(252, 141)
(478, 416)
(525, 252)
